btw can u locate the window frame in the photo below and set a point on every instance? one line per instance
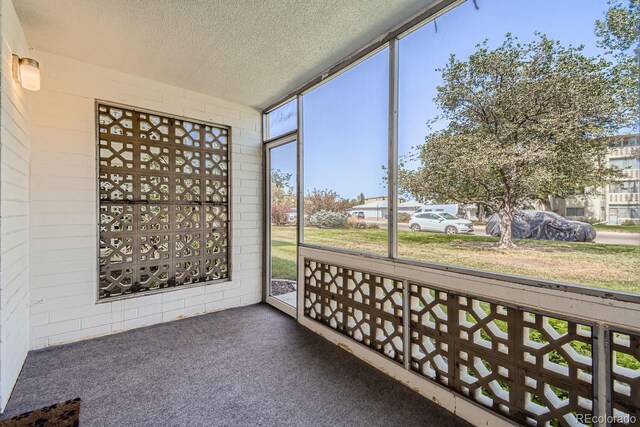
(391, 40)
(229, 204)
(576, 209)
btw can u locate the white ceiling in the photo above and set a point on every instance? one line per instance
(249, 51)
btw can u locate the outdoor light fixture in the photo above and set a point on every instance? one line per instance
(26, 71)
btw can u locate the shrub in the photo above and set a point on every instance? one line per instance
(327, 219)
(325, 200)
(359, 225)
(404, 217)
(279, 214)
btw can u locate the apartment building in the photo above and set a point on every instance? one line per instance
(618, 202)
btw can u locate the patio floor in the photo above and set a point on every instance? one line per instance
(244, 366)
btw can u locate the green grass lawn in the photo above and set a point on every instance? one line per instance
(605, 266)
(630, 228)
(283, 253)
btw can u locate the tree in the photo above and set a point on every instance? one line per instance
(324, 200)
(360, 199)
(282, 192)
(525, 122)
(618, 35)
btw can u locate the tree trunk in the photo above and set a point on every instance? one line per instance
(506, 219)
(480, 212)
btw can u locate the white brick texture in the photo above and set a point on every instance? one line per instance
(63, 228)
(14, 208)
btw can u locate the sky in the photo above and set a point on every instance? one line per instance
(345, 119)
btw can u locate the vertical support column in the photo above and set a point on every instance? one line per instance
(602, 372)
(300, 215)
(300, 186)
(392, 172)
(266, 194)
(406, 323)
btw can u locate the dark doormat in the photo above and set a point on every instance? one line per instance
(63, 414)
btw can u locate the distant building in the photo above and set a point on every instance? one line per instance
(380, 199)
(379, 209)
(619, 201)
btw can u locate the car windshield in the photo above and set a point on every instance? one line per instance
(447, 216)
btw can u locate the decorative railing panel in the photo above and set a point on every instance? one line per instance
(365, 307)
(531, 367)
(624, 386)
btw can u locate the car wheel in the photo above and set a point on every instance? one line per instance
(415, 227)
(451, 230)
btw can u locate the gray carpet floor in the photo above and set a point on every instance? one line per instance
(244, 366)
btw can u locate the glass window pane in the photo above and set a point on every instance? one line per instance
(282, 120)
(284, 242)
(484, 146)
(345, 158)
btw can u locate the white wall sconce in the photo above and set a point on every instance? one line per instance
(26, 71)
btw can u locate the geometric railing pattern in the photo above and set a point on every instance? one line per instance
(365, 307)
(625, 377)
(530, 367)
(164, 208)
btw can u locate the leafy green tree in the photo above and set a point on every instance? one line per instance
(524, 122)
(619, 35)
(360, 199)
(282, 192)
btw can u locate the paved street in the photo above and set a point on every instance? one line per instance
(606, 237)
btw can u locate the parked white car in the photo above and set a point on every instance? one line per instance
(293, 215)
(440, 222)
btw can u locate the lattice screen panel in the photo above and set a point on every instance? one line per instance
(532, 368)
(625, 377)
(365, 307)
(163, 201)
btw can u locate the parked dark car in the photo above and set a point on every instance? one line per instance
(542, 225)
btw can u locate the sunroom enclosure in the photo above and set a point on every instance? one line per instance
(369, 203)
(529, 348)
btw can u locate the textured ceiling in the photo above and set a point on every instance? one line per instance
(248, 51)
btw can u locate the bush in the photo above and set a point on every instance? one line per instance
(325, 200)
(373, 226)
(355, 223)
(279, 214)
(404, 217)
(327, 219)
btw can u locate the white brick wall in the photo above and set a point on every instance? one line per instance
(14, 209)
(63, 203)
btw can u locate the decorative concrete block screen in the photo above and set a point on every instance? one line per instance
(625, 376)
(362, 306)
(532, 368)
(164, 201)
